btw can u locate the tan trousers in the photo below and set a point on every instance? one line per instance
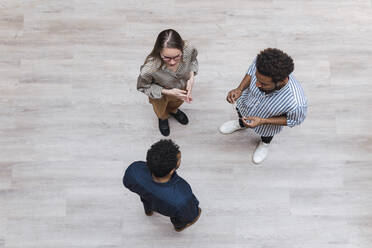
(165, 105)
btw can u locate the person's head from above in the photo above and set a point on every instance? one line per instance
(168, 48)
(163, 158)
(273, 68)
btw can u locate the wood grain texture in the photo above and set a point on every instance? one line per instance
(71, 121)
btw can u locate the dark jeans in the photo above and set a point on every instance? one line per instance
(176, 223)
(265, 139)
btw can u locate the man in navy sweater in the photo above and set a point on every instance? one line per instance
(159, 186)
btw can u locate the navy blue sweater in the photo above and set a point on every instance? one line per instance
(173, 198)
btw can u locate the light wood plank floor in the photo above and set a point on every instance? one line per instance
(71, 121)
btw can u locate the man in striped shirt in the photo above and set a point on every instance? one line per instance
(268, 98)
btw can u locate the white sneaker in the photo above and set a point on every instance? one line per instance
(261, 152)
(230, 127)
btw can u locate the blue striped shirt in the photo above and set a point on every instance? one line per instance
(289, 100)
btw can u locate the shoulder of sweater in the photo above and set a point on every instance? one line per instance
(188, 48)
(150, 66)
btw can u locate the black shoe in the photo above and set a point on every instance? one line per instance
(164, 127)
(149, 213)
(181, 117)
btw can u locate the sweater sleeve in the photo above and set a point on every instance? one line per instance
(188, 211)
(145, 82)
(194, 61)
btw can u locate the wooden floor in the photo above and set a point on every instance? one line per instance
(71, 121)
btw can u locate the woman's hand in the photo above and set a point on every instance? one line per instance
(180, 94)
(189, 85)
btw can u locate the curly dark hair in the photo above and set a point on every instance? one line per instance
(274, 63)
(162, 157)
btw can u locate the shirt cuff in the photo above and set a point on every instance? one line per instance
(155, 91)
